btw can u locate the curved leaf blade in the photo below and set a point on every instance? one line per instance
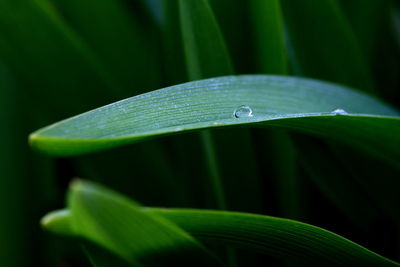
(268, 31)
(205, 51)
(296, 103)
(277, 237)
(116, 223)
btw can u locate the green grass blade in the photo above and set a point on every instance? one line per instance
(277, 237)
(329, 47)
(100, 257)
(59, 221)
(234, 21)
(205, 50)
(282, 157)
(270, 51)
(117, 224)
(386, 52)
(297, 103)
(274, 236)
(324, 44)
(269, 36)
(173, 52)
(210, 155)
(206, 56)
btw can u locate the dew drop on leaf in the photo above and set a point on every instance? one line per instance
(339, 111)
(243, 111)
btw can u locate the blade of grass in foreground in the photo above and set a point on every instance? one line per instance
(299, 242)
(277, 237)
(311, 106)
(293, 241)
(116, 223)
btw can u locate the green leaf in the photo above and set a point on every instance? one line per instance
(117, 223)
(234, 20)
(276, 237)
(207, 56)
(269, 36)
(205, 50)
(386, 53)
(302, 104)
(174, 67)
(100, 257)
(282, 156)
(270, 50)
(287, 239)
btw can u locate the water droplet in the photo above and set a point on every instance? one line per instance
(243, 111)
(339, 111)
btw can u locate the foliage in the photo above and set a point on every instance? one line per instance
(282, 108)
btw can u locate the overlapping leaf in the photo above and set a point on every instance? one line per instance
(306, 105)
(116, 223)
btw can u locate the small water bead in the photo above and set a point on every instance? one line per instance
(339, 111)
(242, 112)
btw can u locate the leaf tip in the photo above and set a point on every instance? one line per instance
(36, 141)
(78, 184)
(33, 138)
(57, 222)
